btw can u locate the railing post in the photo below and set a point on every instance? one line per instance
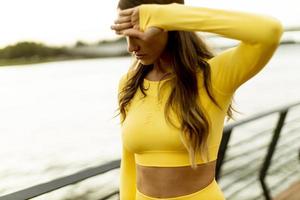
(268, 158)
(222, 151)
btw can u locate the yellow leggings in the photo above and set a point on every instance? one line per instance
(210, 192)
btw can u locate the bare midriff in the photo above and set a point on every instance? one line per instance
(168, 182)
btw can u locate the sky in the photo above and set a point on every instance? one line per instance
(63, 22)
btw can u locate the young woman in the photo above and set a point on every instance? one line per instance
(175, 97)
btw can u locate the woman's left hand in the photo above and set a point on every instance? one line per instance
(128, 18)
(128, 24)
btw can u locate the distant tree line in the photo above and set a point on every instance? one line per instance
(30, 49)
(39, 50)
(26, 52)
(118, 40)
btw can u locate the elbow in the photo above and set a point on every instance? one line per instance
(275, 32)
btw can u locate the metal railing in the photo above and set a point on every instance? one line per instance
(260, 161)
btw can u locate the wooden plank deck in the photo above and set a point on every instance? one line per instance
(291, 193)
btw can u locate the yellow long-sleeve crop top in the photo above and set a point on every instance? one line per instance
(147, 139)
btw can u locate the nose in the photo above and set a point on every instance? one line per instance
(132, 45)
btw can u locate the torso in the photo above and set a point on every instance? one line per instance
(167, 182)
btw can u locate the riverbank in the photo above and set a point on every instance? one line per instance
(103, 49)
(24, 53)
(34, 60)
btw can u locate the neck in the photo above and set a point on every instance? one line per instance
(163, 64)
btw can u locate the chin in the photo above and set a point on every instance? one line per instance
(146, 62)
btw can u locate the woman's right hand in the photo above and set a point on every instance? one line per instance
(127, 24)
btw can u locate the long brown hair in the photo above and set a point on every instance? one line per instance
(188, 57)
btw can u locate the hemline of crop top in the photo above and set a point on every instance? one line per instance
(174, 158)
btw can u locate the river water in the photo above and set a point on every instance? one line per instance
(57, 118)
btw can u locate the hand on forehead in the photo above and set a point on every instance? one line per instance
(128, 24)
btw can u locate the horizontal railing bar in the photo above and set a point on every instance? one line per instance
(110, 195)
(288, 151)
(251, 182)
(259, 115)
(253, 137)
(288, 161)
(291, 29)
(230, 172)
(238, 179)
(282, 146)
(248, 163)
(276, 185)
(271, 187)
(288, 141)
(259, 148)
(241, 177)
(258, 196)
(55, 184)
(292, 120)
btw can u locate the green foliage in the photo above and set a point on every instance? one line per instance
(28, 50)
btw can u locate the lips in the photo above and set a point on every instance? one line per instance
(139, 56)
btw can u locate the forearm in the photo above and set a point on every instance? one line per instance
(247, 27)
(127, 179)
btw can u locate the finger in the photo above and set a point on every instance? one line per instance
(119, 32)
(136, 27)
(126, 12)
(122, 20)
(122, 26)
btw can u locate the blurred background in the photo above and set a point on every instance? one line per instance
(60, 64)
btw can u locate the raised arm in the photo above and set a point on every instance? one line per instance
(127, 179)
(259, 37)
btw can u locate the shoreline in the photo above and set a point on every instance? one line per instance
(92, 52)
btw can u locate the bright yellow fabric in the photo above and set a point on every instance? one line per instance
(147, 138)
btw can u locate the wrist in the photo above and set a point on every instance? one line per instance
(148, 16)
